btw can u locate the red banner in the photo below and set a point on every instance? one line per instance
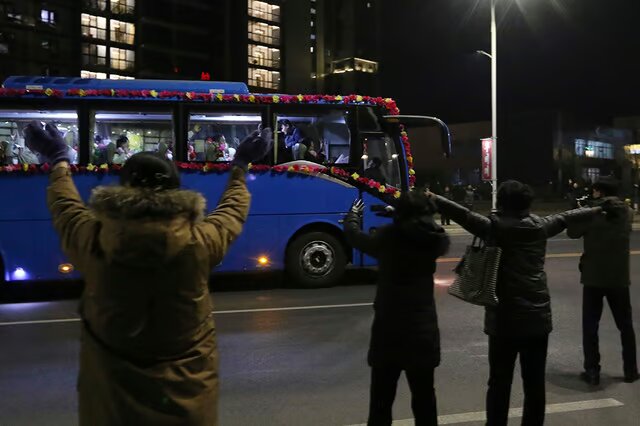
(486, 158)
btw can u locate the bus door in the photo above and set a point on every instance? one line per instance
(381, 162)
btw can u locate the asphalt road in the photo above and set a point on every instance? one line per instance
(298, 357)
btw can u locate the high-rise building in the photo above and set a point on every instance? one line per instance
(108, 32)
(288, 46)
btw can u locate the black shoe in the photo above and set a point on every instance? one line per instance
(631, 377)
(591, 377)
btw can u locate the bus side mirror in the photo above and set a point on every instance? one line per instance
(425, 121)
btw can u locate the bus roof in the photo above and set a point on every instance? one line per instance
(64, 83)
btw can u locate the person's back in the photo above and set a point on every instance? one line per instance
(605, 262)
(404, 334)
(521, 322)
(145, 249)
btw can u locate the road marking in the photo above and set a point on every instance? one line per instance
(293, 308)
(480, 416)
(235, 311)
(52, 321)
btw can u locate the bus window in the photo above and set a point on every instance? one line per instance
(119, 135)
(368, 120)
(322, 138)
(12, 124)
(380, 160)
(215, 136)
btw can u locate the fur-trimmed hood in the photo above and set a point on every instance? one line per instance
(124, 202)
(141, 227)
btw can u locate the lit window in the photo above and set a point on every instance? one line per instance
(264, 33)
(311, 49)
(264, 78)
(313, 36)
(122, 59)
(123, 7)
(264, 10)
(313, 10)
(48, 16)
(120, 77)
(94, 54)
(91, 74)
(122, 32)
(14, 121)
(118, 134)
(93, 26)
(264, 56)
(96, 4)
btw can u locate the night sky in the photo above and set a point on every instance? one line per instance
(581, 55)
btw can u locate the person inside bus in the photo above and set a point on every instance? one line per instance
(374, 171)
(292, 138)
(5, 154)
(148, 350)
(122, 153)
(404, 335)
(215, 150)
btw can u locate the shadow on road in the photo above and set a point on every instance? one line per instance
(570, 380)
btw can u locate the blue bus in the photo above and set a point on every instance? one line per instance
(328, 150)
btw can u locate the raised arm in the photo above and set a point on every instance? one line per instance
(575, 221)
(475, 223)
(223, 225)
(76, 225)
(357, 239)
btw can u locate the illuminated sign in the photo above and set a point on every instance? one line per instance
(633, 149)
(205, 76)
(486, 158)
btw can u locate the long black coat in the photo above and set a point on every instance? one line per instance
(524, 307)
(405, 326)
(605, 261)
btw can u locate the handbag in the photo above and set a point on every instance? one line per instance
(477, 274)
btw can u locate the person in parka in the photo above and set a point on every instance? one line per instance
(148, 352)
(404, 334)
(604, 268)
(521, 323)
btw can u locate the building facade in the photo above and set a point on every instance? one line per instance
(293, 46)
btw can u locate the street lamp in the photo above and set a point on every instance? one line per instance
(494, 105)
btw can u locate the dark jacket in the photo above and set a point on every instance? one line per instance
(605, 260)
(405, 326)
(148, 352)
(524, 307)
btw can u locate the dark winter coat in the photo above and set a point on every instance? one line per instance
(405, 326)
(148, 351)
(605, 261)
(524, 307)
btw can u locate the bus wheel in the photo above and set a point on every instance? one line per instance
(315, 260)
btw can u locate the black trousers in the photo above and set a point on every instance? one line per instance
(384, 381)
(502, 358)
(444, 220)
(620, 303)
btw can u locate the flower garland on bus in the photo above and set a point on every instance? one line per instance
(387, 103)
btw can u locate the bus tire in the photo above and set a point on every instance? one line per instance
(316, 260)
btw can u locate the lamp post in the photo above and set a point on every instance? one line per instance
(494, 105)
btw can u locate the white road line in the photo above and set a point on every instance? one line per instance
(480, 416)
(235, 311)
(293, 308)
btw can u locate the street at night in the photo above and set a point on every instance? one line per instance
(298, 357)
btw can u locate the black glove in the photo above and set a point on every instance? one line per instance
(253, 148)
(47, 142)
(357, 207)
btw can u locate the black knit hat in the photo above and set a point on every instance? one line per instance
(608, 185)
(149, 170)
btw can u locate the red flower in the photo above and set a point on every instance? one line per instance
(105, 92)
